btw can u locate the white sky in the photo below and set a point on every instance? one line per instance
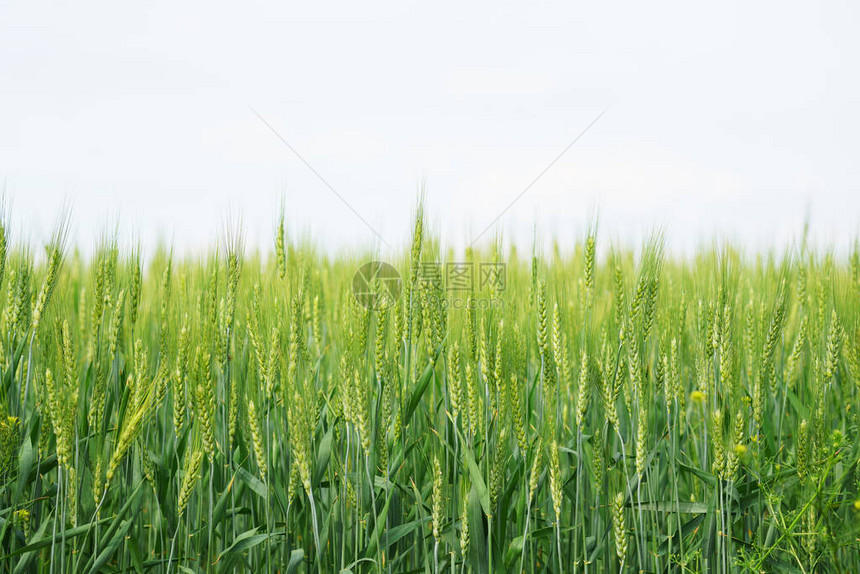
(733, 120)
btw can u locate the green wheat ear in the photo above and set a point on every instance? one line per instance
(257, 439)
(438, 502)
(190, 476)
(555, 483)
(129, 430)
(464, 529)
(619, 527)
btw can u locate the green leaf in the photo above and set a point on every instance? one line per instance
(112, 545)
(709, 540)
(708, 478)
(392, 535)
(475, 473)
(26, 458)
(380, 526)
(323, 456)
(477, 481)
(418, 392)
(296, 557)
(478, 538)
(252, 482)
(134, 553)
(802, 409)
(41, 541)
(39, 536)
(245, 541)
(515, 550)
(117, 524)
(221, 506)
(688, 527)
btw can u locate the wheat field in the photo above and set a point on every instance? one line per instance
(591, 409)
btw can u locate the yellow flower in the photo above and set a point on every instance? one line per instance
(9, 439)
(697, 396)
(740, 449)
(857, 505)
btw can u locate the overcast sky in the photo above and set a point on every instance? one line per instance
(735, 119)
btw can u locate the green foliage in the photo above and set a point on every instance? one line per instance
(237, 413)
